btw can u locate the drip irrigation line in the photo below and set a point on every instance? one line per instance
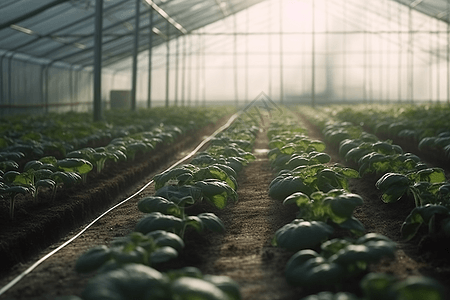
(191, 154)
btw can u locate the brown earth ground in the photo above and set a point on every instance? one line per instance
(244, 252)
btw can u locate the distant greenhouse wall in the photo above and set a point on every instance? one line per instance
(29, 85)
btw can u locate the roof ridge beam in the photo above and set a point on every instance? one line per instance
(166, 16)
(31, 13)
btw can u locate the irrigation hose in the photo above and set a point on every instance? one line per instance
(188, 156)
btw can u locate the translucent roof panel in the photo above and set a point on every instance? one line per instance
(63, 30)
(434, 8)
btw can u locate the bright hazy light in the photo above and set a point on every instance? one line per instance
(361, 52)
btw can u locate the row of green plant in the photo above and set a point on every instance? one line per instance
(401, 175)
(320, 191)
(27, 138)
(52, 173)
(426, 126)
(125, 269)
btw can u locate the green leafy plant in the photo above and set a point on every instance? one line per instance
(153, 248)
(339, 260)
(395, 185)
(301, 234)
(311, 178)
(158, 221)
(134, 281)
(335, 206)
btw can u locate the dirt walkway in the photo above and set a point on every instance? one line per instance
(245, 253)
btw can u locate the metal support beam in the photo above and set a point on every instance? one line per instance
(31, 13)
(269, 56)
(247, 25)
(177, 52)
(183, 74)
(98, 60)
(313, 68)
(190, 71)
(197, 72)
(135, 54)
(410, 58)
(281, 53)
(167, 64)
(236, 91)
(135, 57)
(150, 56)
(399, 83)
(203, 70)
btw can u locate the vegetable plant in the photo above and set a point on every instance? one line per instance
(338, 260)
(301, 234)
(335, 206)
(149, 249)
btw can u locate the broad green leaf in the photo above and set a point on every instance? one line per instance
(301, 234)
(132, 281)
(158, 204)
(78, 165)
(49, 160)
(226, 284)
(188, 288)
(298, 198)
(418, 288)
(93, 259)
(163, 254)
(212, 222)
(158, 221)
(306, 268)
(165, 238)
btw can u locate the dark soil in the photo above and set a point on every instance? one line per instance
(244, 252)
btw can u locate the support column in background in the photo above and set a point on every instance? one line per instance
(313, 62)
(135, 54)
(167, 64)
(150, 56)
(98, 60)
(281, 53)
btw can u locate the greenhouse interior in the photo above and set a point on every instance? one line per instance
(221, 51)
(224, 149)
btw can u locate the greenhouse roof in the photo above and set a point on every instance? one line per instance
(63, 30)
(434, 8)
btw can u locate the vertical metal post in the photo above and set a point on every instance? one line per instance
(176, 70)
(313, 59)
(10, 79)
(235, 67)
(388, 56)
(399, 84)
(430, 74)
(190, 71)
(97, 60)
(183, 75)
(410, 58)
(448, 52)
(150, 56)
(203, 70)
(269, 35)
(247, 25)
(281, 53)
(1, 79)
(167, 63)
(438, 63)
(197, 72)
(135, 54)
(71, 87)
(344, 55)
(365, 55)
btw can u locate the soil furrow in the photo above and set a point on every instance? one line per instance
(244, 253)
